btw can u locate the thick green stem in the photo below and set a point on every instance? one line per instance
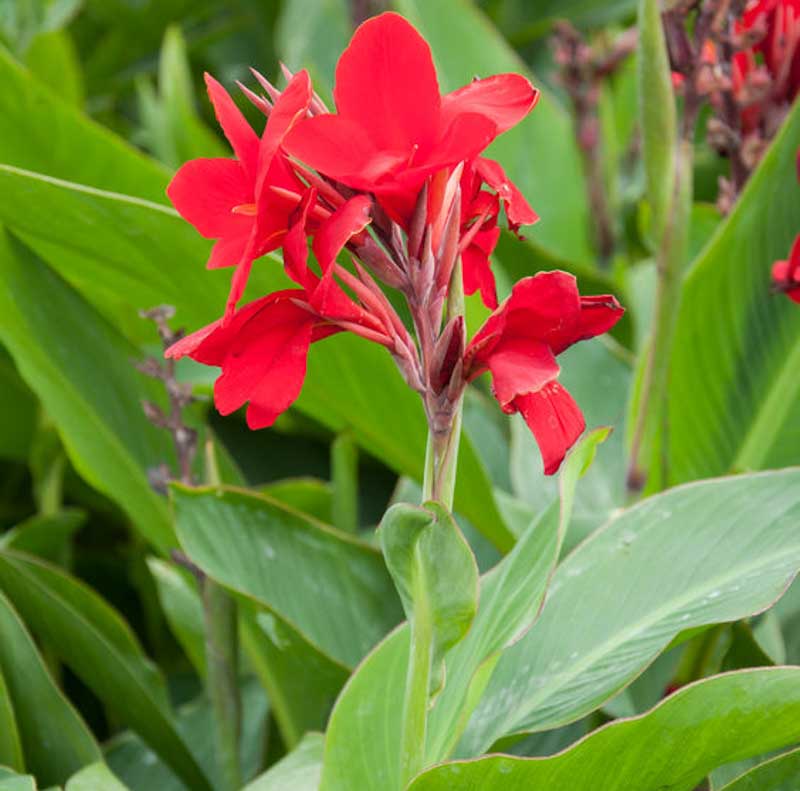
(222, 678)
(344, 475)
(647, 457)
(222, 656)
(418, 680)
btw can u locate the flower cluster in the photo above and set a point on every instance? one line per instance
(395, 177)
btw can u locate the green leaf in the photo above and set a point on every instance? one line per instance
(312, 34)
(183, 610)
(657, 113)
(55, 741)
(734, 393)
(21, 20)
(41, 132)
(779, 774)
(727, 717)
(53, 58)
(13, 782)
(700, 554)
(142, 770)
(436, 576)
(301, 682)
(309, 495)
(433, 570)
(95, 777)
(18, 412)
(330, 586)
(540, 154)
(46, 537)
(90, 637)
(10, 745)
(511, 596)
(363, 737)
(299, 770)
(58, 344)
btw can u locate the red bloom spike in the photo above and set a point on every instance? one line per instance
(518, 344)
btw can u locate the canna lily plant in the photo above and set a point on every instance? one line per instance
(482, 586)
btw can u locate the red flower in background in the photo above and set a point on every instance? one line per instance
(231, 200)
(786, 274)
(393, 128)
(518, 345)
(778, 50)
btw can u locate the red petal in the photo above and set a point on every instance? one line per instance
(295, 246)
(554, 419)
(290, 107)
(204, 191)
(265, 363)
(229, 251)
(598, 315)
(504, 98)
(518, 209)
(341, 149)
(349, 219)
(386, 82)
(520, 367)
(243, 140)
(464, 138)
(477, 271)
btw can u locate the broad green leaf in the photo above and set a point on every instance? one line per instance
(38, 131)
(14, 782)
(779, 774)
(90, 637)
(726, 718)
(82, 370)
(10, 745)
(46, 537)
(54, 59)
(540, 154)
(95, 777)
(299, 770)
(55, 741)
(699, 554)
(734, 393)
(309, 495)
(329, 585)
(141, 769)
(657, 113)
(183, 610)
(312, 34)
(18, 412)
(301, 682)
(362, 744)
(362, 741)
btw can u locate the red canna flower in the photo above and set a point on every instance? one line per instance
(234, 200)
(518, 345)
(263, 348)
(786, 274)
(479, 213)
(393, 127)
(779, 51)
